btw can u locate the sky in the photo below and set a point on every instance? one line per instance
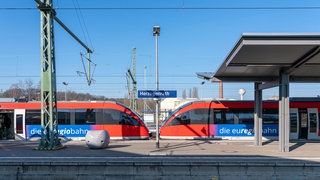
(196, 36)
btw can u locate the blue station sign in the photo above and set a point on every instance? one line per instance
(157, 94)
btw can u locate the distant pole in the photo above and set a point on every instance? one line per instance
(220, 90)
(65, 92)
(145, 77)
(145, 88)
(156, 33)
(202, 83)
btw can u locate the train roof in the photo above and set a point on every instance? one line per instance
(35, 104)
(13, 100)
(7, 100)
(292, 99)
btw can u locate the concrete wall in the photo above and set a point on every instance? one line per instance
(166, 170)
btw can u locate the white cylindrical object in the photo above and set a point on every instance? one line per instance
(97, 139)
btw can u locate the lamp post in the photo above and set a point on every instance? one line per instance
(202, 83)
(156, 33)
(145, 88)
(65, 92)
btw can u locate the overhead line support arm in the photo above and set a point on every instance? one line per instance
(73, 35)
(131, 76)
(43, 7)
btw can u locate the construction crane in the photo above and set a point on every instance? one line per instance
(132, 77)
(49, 116)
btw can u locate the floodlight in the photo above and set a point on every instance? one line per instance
(156, 30)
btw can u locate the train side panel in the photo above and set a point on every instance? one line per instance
(234, 120)
(74, 120)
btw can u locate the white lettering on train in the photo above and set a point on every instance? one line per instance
(64, 131)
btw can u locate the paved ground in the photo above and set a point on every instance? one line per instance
(11, 150)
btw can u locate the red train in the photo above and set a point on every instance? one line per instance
(74, 118)
(234, 120)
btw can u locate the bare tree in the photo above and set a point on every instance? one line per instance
(31, 91)
(15, 91)
(22, 90)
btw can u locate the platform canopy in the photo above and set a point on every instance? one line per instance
(260, 57)
(271, 60)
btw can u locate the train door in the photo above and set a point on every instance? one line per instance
(19, 123)
(6, 124)
(303, 123)
(313, 123)
(308, 123)
(294, 123)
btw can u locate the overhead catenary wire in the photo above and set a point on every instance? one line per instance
(251, 8)
(82, 23)
(102, 76)
(173, 8)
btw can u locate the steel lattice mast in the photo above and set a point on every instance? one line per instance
(49, 115)
(49, 124)
(134, 79)
(132, 92)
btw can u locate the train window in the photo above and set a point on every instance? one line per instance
(111, 116)
(196, 116)
(63, 116)
(201, 116)
(99, 116)
(313, 122)
(181, 119)
(218, 117)
(244, 116)
(85, 116)
(19, 123)
(231, 118)
(270, 116)
(127, 119)
(293, 122)
(33, 117)
(319, 124)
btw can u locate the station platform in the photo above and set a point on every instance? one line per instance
(301, 149)
(140, 159)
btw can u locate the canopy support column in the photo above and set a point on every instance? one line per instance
(284, 115)
(257, 114)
